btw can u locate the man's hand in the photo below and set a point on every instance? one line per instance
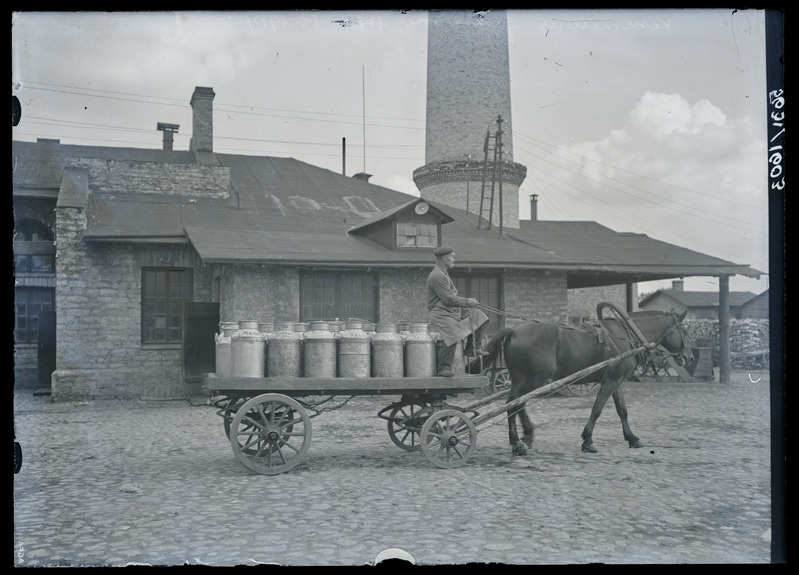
(473, 302)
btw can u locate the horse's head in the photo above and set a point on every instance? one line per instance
(676, 340)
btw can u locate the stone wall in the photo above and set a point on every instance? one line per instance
(535, 295)
(583, 301)
(122, 178)
(98, 303)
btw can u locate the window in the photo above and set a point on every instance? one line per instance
(163, 293)
(485, 289)
(28, 303)
(338, 294)
(416, 235)
(34, 251)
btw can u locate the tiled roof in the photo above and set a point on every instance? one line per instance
(285, 210)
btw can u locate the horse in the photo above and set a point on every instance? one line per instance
(538, 353)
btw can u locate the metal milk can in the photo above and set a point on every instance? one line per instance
(223, 339)
(354, 351)
(248, 348)
(284, 357)
(387, 351)
(420, 352)
(319, 351)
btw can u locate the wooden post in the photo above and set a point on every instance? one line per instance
(724, 329)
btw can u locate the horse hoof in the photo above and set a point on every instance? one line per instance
(589, 448)
(636, 444)
(519, 449)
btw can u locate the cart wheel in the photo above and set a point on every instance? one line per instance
(501, 381)
(578, 389)
(229, 412)
(448, 438)
(405, 422)
(270, 433)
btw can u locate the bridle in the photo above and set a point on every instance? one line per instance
(680, 357)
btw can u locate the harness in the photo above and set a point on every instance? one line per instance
(599, 330)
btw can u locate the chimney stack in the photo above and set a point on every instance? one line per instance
(362, 176)
(169, 130)
(533, 207)
(202, 104)
(677, 285)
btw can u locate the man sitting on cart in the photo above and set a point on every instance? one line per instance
(452, 316)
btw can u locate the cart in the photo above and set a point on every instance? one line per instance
(268, 419)
(267, 422)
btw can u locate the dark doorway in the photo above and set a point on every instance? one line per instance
(200, 323)
(46, 347)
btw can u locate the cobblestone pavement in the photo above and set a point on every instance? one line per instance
(117, 483)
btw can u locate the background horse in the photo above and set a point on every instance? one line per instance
(539, 353)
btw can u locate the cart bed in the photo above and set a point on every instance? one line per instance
(303, 386)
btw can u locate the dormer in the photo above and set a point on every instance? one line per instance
(412, 226)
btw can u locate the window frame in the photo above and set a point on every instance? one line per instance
(340, 282)
(32, 310)
(434, 239)
(168, 306)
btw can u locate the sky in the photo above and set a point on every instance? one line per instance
(645, 121)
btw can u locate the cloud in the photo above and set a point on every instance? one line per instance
(680, 172)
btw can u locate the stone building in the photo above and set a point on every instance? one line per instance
(127, 259)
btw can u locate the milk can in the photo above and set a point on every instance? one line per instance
(223, 339)
(404, 328)
(247, 351)
(319, 349)
(354, 351)
(387, 351)
(284, 359)
(420, 352)
(266, 328)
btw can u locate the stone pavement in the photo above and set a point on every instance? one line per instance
(118, 483)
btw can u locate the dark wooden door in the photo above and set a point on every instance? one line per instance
(46, 347)
(200, 323)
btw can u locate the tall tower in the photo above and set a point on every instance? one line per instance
(468, 87)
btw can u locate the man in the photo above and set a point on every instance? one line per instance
(453, 317)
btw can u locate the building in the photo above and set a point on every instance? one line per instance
(127, 259)
(705, 304)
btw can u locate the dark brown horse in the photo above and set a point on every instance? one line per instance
(539, 353)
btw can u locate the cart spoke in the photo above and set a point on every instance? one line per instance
(272, 433)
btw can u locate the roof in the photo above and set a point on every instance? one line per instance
(694, 299)
(284, 210)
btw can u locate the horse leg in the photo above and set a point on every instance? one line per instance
(527, 425)
(621, 409)
(596, 411)
(518, 447)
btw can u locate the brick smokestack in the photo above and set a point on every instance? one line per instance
(677, 285)
(533, 207)
(169, 131)
(202, 104)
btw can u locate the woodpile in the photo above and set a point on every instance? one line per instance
(749, 341)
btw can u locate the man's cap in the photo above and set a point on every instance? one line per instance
(443, 250)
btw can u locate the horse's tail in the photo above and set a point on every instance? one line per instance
(495, 346)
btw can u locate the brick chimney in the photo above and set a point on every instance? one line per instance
(533, 207)
(202, 104)
(677, 285)
(169, 131)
